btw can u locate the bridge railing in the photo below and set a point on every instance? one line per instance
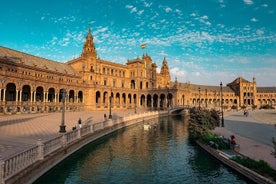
(16, 163)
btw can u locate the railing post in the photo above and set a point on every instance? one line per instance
(40, 150)
(64, 141)
(90, 128)
(79, 133)
(2, 167)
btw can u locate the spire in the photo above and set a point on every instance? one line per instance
(89, 48)
(165, 72)
(164, 68)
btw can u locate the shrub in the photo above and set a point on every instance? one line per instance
(260, 166)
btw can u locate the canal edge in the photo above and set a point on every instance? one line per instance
(248, 173)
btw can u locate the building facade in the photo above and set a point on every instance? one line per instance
(31, 84)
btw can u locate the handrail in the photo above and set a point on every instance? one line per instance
(16, 163)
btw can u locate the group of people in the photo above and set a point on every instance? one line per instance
(232, 140)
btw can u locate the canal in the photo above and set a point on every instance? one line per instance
(162, 154)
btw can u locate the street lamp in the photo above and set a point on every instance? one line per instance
(221, 105)
(135, 104)
(199, 98)
(62, 126)
(206, 100)
(110, 100)
(168, 101)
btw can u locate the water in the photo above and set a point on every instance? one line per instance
(163, 154)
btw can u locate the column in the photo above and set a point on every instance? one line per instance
(20, 95)
(146, 102)
(16, 96)
(56, 97)
(0, 95)
(158, 102)
(151, 102)
(47, 97)
(44, 96)
(35, 96)
(4, 95)
(32, 96)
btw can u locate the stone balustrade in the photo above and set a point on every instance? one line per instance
(16, 163)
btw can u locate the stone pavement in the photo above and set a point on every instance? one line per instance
(253, 133)
(20, 132)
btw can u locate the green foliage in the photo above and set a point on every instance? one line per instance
(260, 166)
(209, 136)
(201, 122)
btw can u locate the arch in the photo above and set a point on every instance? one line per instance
(105, 99)
(26, 93)
(170, 102)
(71, 96)
(11, 92)
(124, 99)
(162, 101)
(142, 100)
(148, 100)
(129, 99)
(117, 99)
(39, 94)
(80, 96)
(155, 100)
(60, 94)
(98, 98)
(132, 84)
(51, 94)
(135, 100)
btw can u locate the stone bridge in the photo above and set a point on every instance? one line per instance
(178, 109)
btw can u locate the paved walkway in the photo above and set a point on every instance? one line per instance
(253, 133)
(20, 132)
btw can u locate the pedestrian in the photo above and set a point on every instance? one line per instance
(79, 122)
(232, 141)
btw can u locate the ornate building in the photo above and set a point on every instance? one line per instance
(31, 84)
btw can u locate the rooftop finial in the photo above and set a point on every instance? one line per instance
(89, 31)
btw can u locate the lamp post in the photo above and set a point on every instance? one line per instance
(221, 105)
(206, 100)
(199, 98)
(135, 104)
(62, 126)
(110, 100)
(168, 101)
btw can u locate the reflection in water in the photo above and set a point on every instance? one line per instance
(162, 154)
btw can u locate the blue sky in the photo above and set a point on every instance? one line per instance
(204, 41)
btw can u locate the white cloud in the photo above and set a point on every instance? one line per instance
(147, 5)
(253, 20)
(260, 32)
(177, 72)
(140, 12)
(249, 2)
(168, 9)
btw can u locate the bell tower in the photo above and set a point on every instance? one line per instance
(89, 48)
(165, 73)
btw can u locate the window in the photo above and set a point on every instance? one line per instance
(105, 82)
(114, 83)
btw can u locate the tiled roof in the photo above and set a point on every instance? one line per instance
(35, 61)
(210, 88)
(266, 89)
